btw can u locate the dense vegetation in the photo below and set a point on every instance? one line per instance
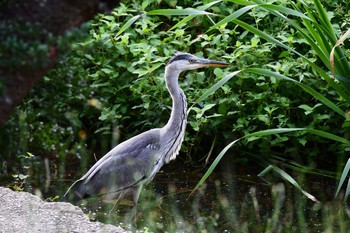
(110, 86)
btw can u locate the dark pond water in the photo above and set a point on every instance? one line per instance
(233, 199)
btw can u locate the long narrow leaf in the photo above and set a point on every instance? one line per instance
(339, 42)
(213, 165)
(243, 2)
(347, 191)
(322, 98)
(284, 10)
(342, 92)
(324, 18)
(128, 24)
(328, 136)
(187, 11)
(344, 174)
(261, 134)
(232, 16)
(269, 73)
(223, 152)
(291, 180)
(266, 170)
(190, 17)
(212, 89)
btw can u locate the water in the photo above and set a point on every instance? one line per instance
(233, 199)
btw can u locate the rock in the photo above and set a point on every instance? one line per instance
(24, 212)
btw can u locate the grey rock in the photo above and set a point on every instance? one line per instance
(24, 212)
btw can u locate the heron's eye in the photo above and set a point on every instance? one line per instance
(191, 61)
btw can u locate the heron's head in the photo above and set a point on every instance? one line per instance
(186, 61)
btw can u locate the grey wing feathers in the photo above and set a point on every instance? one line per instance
(128, 164)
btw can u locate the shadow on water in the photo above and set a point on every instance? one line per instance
(233, 199)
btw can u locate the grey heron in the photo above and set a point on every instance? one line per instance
(135, 162)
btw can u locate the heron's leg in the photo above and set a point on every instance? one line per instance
(135, 194)
(120, 196)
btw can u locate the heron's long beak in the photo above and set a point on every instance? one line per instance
(207, 62)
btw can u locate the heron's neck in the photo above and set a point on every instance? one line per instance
(178, 117)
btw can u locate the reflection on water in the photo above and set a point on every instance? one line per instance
(233, 199)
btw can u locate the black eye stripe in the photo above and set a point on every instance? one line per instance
(180, 57)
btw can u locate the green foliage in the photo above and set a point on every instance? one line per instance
(278, 100)
(17, 51)
(111, 83)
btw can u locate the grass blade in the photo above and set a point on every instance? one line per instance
(347, 191)
(128, 24)
(291, 180)
(187, 11)
(266, 133)
(323, 99)
(190, 17)
(344, 174)
(213, 165)
(212, 89)
(344, 93)
(330, 136)
(284, 10)
(339, 42)
(242, 2)
(232, 16)
(269, 73)
(223, 152)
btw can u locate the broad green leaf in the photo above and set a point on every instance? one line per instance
(324, 18)
(107, 70)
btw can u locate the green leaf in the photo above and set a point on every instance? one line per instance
(212, 89)
(213, 165)
(290, 179)
(328, 136)
(243, 2)
(322, 98)
(107, 70)
(223, 152)
(339, 88)
(344, 175)
(232, 16)
(306, 88)
(170, 12)
(284, 10)
(128, 24)
(266, 133)
(190, 17)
